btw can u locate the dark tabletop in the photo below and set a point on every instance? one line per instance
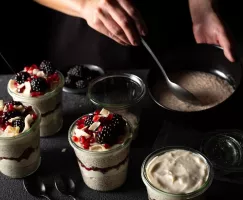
(155, 133)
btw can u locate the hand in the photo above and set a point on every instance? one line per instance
(117, 19)
(208, 28)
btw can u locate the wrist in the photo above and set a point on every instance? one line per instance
(200, 8)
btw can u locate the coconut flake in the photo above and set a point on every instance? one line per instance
(104, 112)
(80, 132)
(94, 126)
(35, 71)
(13, 119)
(27, 88)
(27, 122)
(41, 74)
(1, 105)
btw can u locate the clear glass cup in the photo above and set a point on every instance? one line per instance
(20, 155)
(103, 170)
(121, 94)
(50, 106)
(156, 194)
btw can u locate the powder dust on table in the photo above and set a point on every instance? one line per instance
(211, 90)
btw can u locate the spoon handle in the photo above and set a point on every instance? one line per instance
(72, 197)
(46, 196)
(155, 58)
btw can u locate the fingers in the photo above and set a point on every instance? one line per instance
(100, 27)
(114, 29)
(226, 45)
(123, 20)
(135, 15)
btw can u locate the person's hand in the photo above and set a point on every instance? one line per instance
(208, 28)
(117, 19)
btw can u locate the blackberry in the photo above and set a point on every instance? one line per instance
(20, 123)
(76, 71)
(106, 135)
(21, 77)
(38, 84)
(118, 121)
(89, 120)
(10, 114)
(14, 103)
(80, 84)
(47, 67)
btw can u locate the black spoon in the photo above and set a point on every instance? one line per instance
(65, 186)
(36, 188)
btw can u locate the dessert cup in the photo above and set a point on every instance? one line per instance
(156, 194)
(20, 155)
(103, 170)
(49, 105)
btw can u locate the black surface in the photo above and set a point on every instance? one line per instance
(54, 161)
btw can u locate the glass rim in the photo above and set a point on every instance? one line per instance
(119, 147)
(132, 77)
(36, 123)
(46, 95)
(160, 151)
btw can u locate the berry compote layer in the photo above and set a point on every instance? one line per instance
(19, 139)
(40, 86)
(101, 141)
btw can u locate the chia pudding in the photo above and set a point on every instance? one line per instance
(101, 141)
(210, 89)
(19, 139)
(40, 86)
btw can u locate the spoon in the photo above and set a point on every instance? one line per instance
(65, 186)
(37, 189)
(180, 92)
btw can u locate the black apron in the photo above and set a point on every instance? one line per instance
(47, 34)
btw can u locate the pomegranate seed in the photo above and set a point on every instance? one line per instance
(35, 76)
(82, 139)
(36, 94)
(100, 128)
(96, 112)
(92, 140)
(26, 69)
(84, 117)
(110, 116)
(96, 118)
(30, 71)
(21, 90)
(107, 146)
(80, 121)
(34, 116)
(15, 84)
(80, 126)
(7, 124)
(29, 79)
(86, 145)
(75, 138)
(10, 107)
(34, 66)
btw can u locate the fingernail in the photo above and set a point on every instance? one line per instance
(144, 33)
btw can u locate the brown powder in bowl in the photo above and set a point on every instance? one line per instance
(211, 90)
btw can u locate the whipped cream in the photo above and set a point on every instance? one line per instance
(15, 118)
(178, 172)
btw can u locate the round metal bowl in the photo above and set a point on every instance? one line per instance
(94, 68)
(201, 57)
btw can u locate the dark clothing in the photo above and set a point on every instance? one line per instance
(36, 33)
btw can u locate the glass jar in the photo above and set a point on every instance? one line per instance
(157, 194)
(20, 155)
(121, 94)
(50, 106)
(103, 170)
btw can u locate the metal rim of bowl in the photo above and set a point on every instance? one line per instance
(78, 91)
(196, 111)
